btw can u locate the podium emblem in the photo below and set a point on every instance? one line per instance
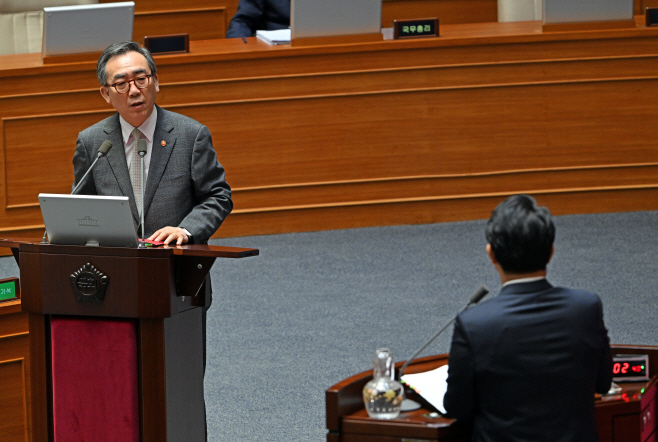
(89, 284)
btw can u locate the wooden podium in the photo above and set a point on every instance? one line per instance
(627, 417)
(117, 339)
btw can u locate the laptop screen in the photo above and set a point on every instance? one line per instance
(88, 220)
(86, 28)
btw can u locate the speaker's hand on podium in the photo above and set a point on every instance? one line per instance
(169, 234)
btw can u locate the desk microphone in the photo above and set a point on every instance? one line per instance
(476, 297)
(102, 151)
(481, 292)
(141, 150)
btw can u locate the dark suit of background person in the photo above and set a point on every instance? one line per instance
(525, 365)
(254, 15)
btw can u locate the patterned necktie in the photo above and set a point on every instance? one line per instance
(135, 171)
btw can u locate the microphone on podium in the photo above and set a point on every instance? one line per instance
(476, 297)
(102, 151)
(141, 150)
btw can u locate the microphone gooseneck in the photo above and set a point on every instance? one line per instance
(102, 151)
(476, 297)
(141, 150)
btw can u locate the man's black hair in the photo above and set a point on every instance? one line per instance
(118, 49)
(521, 234)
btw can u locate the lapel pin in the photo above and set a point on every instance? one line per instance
(163, 143)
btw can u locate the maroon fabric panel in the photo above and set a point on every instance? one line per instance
(95, 384)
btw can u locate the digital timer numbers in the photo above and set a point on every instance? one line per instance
(630, 368)
(625, 368)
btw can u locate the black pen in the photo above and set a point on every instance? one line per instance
(244, 39)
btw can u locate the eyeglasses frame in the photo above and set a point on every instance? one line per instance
(148, 76)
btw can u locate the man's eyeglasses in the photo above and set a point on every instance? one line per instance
(140, 82)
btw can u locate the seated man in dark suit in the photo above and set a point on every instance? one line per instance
(254, 15)
(525, 365)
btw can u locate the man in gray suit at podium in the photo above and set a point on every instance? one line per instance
(525, 365)
(186, 196)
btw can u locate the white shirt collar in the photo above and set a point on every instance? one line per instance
(522, 280)
(147, 127)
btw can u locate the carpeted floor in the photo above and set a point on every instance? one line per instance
(313, 307)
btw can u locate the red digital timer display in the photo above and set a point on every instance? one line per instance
(630, 368)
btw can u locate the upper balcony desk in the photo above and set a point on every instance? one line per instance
(391, 132)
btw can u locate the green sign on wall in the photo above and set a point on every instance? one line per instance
(7, 290)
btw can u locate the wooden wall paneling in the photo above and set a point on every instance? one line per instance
(170, 5)
(14, 372)
(231, 8)
(351, 128)
(479, 56)
(13, 400)
(403, 79)
(29, 157)
(52, 103)
(447, 11)
(431, 132)
(200, 24)
(641, 5)
(40, 393)
(312, 195)
(425, 212)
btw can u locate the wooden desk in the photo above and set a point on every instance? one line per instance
(15, 400)
(156, 289)
(627, 417)
(394, 132)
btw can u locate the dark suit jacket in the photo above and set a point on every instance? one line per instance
(254, 15)
(524, 366)
(185, 185)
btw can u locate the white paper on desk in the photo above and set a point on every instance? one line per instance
(431, 385)
(276, 37)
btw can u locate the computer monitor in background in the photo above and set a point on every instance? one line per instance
(578, 11)
(324, 18)
(86, 28)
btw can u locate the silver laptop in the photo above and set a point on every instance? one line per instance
(86, 28)
(573, 11)
(322, 18)
(88, 220)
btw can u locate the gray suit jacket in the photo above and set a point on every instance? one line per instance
(185, 186)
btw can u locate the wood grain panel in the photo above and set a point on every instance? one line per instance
(486, 109)
(431, 132)
(14, 373)
(426, 212)
(420, 188)
(641, 5)
(168, 5)
(351, 82)
(29, 157)
(13, 324)
(447, 11)
(13, 400)
(408, 79)
(200, 24)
